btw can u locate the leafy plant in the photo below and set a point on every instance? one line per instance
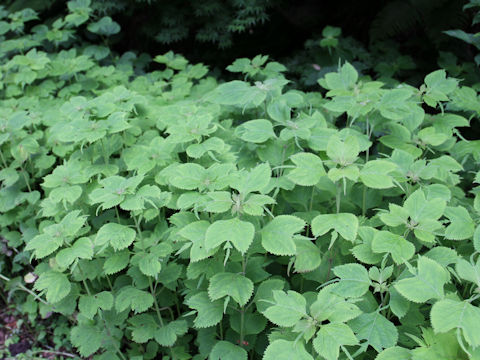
(167, 215)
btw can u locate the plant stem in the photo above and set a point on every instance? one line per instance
(3, 160)
(24, 288)
(337, 199)
(26, 179)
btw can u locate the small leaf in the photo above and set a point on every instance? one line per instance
(387, 242)
(55, 283)
(286, 350)
(308, 171)
(224, 350)
(330, 337)
(237, 286)
(277, 235)
(354, 280)
(450, 314)
(426, 284)
(288, 308)
(118, 236)
(239, 233)
(345, 224)
(378, 332)
(208, 313)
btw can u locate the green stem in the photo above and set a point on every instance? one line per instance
(27, 290)
(118, 215)
(26, 179)
(3, 160)
(242, 311)
(220, 325)
(364, 197)
(337, 198)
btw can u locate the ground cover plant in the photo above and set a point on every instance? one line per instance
(166, 214)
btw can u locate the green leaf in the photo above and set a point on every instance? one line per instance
(55, 284)
(89, 304)
(426, 284)
(195, 232)
(255, 131)
(330, 337)
(256, 179)
(237, 93)
(469, 271)
(118, 236)
(149, 264)
(308, 256)
(344, 79)
(451, 314)
(308, 171)
(286, 350)
(208, 313)
(461, 224)
(86, 338)
(375, 174)
(224, 350)
(105, 26)
(237, 232)
(81, 249)
(131, 297)
(345, 224)
(387, 242)
(287, 309)
(332, 307)
(117, 262)
(376, 330)
(343, 152)
(277, 235)
(239, 287)
(354, 280)
(394, 353)
(167, 335)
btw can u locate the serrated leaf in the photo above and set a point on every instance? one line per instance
(167, 335)
(235, 231)
(330, 337)
(118, 236)
(286, 350)
(117, 262)
(376, 330)
(133, 298)
(277, 235)
(86, 338)
(237, 286)
(426, 284)
(287, 309)
(209, 313)
(354, 280)
(345, 224)
(55, 284)
(89, 304)
(255, 131)
(461, 224)
(375, 174)
(451, 314)
(81, 249)
(308, 256)
(394, 353)
(308, 171)
(400, 249)
(224, 350)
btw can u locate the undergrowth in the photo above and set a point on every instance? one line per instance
(165, 215)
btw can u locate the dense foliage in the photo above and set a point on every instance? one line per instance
(166, 214)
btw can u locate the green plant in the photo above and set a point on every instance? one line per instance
(167, 215)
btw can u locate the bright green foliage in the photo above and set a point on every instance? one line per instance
(427, 282)
(168, 215)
